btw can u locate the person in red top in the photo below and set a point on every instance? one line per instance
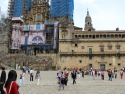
(11, 85)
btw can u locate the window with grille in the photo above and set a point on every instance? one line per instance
(118, 49)
(101, 49)
(82, 47)
(90, 50)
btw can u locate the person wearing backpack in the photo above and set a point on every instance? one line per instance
(121, 74)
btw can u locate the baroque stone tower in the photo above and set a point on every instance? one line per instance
(39, 12)
(88, 23)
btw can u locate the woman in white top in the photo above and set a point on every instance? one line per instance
(22, 78)
(38, 77)
(93, 74)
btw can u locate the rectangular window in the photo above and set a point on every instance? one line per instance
(82, 47)
(101, 49)
(90, 57)
(72, 51)
(38, 17)
(119, 57)
(90, 50)
(110, 47)
(118, 49)
(102, 57)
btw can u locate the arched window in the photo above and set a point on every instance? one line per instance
(37, 40)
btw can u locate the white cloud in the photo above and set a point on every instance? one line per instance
(4, 5)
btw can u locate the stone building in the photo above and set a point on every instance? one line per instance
(92, 48)
(74, 47)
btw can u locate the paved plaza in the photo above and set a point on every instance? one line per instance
(86, 85)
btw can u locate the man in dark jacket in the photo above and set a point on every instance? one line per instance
(2, 80)
(74, 76)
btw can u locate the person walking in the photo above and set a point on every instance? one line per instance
(74, 75)
(22, 78)
(121, 73)
(31, 74)
(60, 79)
(115, 73)
(38, 77)
(93, 74)
(2, 80)
(11, 85)
(66, 77)
(110, 75)
(82, 73)
(102, 75)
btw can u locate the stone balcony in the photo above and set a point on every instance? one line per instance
(93, 53)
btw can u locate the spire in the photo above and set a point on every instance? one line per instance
(88, 23)
(87, 12)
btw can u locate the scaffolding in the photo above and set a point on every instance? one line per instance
(18, 8)
(60, 8)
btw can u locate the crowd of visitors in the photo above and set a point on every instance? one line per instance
(12, 87)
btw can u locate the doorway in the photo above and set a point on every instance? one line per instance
(36, 50)
(102, 67)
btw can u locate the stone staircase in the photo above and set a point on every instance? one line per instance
(41, 62)
(3, 65)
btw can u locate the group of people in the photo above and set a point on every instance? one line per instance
(62, 77)
(31, 72)
(10, 84)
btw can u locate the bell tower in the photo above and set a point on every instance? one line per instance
(38, 13)
(88, 23)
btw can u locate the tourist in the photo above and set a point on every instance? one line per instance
(102, 75)
(2, 80)
(121, 73)
(66, 77)
(24, 69)
(93, 74)
(38, 77)
(74, 75)
(82, 73)
(11, 85)
(22, 78)
(60, 79)
(78, 72)
(115, 73)
(31, 74)
(28, 71)
(98, 73)
(110, 75)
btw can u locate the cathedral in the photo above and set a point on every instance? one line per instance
(42, 36)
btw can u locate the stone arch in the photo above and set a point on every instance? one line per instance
(97, 36)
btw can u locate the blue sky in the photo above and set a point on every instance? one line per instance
(105, 14)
